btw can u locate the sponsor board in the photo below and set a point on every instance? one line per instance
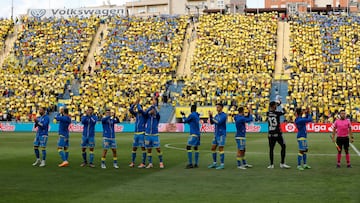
(316, 127)
(7, 127)
(129, 127)
(78, 12)
(231, 127)
(171, 127)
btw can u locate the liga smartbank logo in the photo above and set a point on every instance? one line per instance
(80, 12)
(317, 127)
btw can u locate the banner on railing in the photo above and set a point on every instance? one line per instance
(177, 127)
(129, 127)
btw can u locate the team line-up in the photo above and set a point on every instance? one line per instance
(146, 136)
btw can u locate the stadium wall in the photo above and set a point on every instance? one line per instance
(175, 127)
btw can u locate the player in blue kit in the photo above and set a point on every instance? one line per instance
(194, 139)
(88, 136)
(240, 136)
(109, 140)
(152, 134)
(63, 143)
(42, 125)
(302, 118)
(139, 136)
(219, 136)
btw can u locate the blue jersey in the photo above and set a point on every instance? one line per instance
(193, 120)
(89, 123)
(220, 123)
(152, 122)
(42, 124)
(64, 122)
(140, 118)
(301, 125)
(108, 124)
(240, 122)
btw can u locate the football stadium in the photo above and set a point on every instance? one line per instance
(180, 101)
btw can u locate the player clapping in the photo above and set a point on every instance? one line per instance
(41, 138)
(139, 136)
(63, 143)
(194, 139)
(303, 117)
(240, 136)
(152, 134)
(109, 140)
(219, 136)
(88, 136)
(275, 134)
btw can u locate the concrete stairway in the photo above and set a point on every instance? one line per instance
(283, 50)
(184, 67)
(9, 42)
(95, 48)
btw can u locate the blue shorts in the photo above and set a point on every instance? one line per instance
(194, 140)
(109, 143)
(139, 140)
(63, 141)
(87, 142)
(303, 144)
(40, 141)
(219, 140)
(152, 141)
(241, 143)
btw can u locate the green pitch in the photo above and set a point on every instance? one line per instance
(21, 182)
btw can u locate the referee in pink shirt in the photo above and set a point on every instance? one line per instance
(342, 129)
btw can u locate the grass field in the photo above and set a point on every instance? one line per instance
(21, 182)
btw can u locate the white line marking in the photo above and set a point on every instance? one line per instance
(355, 149)
(231, 152)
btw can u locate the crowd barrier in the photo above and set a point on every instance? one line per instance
(176, 127)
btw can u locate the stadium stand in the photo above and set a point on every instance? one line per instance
(143, 44)
(46, 56)
(233, 61)
(236, 44)
(325, 65)
(6, 27)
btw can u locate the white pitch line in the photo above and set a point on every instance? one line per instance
(183, 149)
(355, 149)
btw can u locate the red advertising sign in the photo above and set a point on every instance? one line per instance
(316, 127)
(76, 127)
(171, 127)
(7, 127)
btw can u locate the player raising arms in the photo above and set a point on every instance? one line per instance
(88, 136)
(63, 142)
(303, 117)
(139, 137)
(275, 134)
(194, 139)
(109, 140)
(240, 136)
(342, 130)
(219, 136)
(42, 125)
(152, 134)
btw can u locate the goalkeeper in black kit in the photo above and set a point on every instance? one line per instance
(275, 134)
